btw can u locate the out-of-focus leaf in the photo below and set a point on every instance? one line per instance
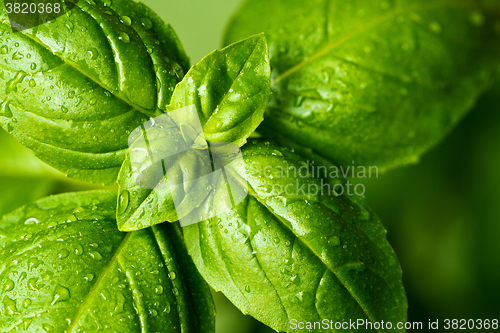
(375, 82)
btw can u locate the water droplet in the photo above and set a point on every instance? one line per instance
(32, 284)
(107, 3)
(159, 290)
(5, 110)
(48, 98)
(4, 49)
(265, 188)
(295, 279)
(64, 109)
(276, 240)
(61, 294)
(78, 250)
(153, 312)
(17, 56)
(12, 84)
(47, 328)
(176, 291)
(26, 303)
(123, 201)
(33, 263)
(10, 306)
(93, 101)
(91, 2)
(70, 25)
(89, 277)
(476, 18)
(146, 23)
(63, 254)
(71, 94)
(94, 53)
(95, 255)
(435, 27)
(172, 276)
(9, 285)
(247, 288)
(124, 37)
(335, 241)
(32, 83)
(125, 20)
(305, 299)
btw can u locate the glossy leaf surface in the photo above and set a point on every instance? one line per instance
(73, 89)
(289, 253)
(64, 267)
(229, 90)
(375, 82)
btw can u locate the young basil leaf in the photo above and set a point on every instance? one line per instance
(286, 253)
(229, 90)
(73, 89)
(377, 82)
(66, 268)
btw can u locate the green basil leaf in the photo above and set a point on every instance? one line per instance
(292, 254)
(74, 88)
(229, 90)
(375, 82)
(66, 268)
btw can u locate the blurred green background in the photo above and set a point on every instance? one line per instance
(442, 214)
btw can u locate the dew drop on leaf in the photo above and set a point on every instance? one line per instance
(78, 250)
(10, 307)
(70, 25)
(17, 56)
(95, 255)
(335, 241)
(47, 328)
(94, 53)
(4, 49)
(146, 23)
(26, 303)
(159, 290)
(247, 288)
(5, 110)
(125, 20)
(124, 37)
(61, 294)
(123, 201)
(32, 284)
(32, 83)
(9, 285)
(63, 254)
(305, 299)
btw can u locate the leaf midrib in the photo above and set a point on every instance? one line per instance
(106, 269)
(377, 21)
(73, 65)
